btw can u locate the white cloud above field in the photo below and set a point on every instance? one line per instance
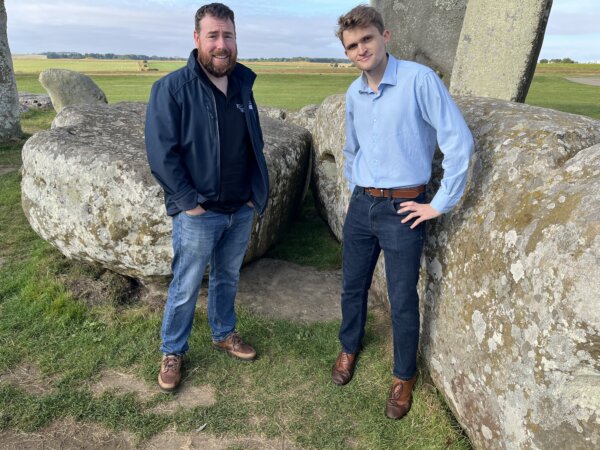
(266, 28)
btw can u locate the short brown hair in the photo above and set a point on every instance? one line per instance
(361, 16)
(216, 10)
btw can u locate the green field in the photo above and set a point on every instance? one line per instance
(294, 85)
(281, 85)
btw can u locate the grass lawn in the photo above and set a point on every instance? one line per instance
(551, 89)
(287, 392)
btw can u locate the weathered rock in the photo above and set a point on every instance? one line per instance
(509, 286)
(425, 31)
(498, 48)
(29, 101)
(329, 185)
(305, 117)
(511, 321)
(67, 87)
(88, 190)
(10, 129)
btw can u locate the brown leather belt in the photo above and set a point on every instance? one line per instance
(410, 192)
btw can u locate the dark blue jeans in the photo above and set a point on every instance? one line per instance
(372, 225)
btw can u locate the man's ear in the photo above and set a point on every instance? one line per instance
(387, 35)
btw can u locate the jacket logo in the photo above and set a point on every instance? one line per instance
(240, 107)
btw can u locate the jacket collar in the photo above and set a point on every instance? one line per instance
(242, 73)
(390, 76)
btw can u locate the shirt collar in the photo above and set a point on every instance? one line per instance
(390, 76)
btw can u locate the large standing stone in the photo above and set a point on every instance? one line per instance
(88, 190)
(509, 286)
(425, 31)
(498, 48)
(67, 87)
(10, 128)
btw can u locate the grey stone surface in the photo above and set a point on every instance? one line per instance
(511, 319)
(10, 129)
(425, 31)
(509, 283)
(67, 87)
(305, 117)
(29, 101)
(498, 48)
(88, 190)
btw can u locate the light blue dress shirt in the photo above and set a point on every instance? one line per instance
(391, 135)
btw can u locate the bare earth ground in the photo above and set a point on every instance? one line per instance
(7, 169)
(592, 81)
(271, 288)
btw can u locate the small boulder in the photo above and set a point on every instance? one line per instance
(67, 87)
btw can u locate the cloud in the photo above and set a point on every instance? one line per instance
(164, 27)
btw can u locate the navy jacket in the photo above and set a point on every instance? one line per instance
(182, 138)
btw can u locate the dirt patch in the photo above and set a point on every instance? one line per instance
(102, 288)
(7, 169)
(187, 397)
(123, 383)
(591, 81)
(66, 434)
(283, 290)
(174, 440)
(28, 378)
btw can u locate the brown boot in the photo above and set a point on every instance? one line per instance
(343, 369)
(169, 375)
(235, 347)
(400, 399)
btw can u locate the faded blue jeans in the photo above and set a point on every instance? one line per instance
(211, 238)
(372, 225)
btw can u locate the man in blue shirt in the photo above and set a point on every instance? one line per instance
(397, 112)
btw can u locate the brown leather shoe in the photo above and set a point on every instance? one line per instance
(235, 347)
(343, 369)
(169, 375)
(400, 399)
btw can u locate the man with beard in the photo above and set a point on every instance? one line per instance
(205, 148)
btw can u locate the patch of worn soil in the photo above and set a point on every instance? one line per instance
(28, 378)
(284, 290)
(187, 397)
(176, 441)
(66, 434)
(7, 169)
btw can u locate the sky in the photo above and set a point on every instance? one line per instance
(265, 28)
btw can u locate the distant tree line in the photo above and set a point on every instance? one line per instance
(557, 61)
(299, 59)
(76, 55)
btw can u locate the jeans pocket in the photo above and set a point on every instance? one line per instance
(394, 204)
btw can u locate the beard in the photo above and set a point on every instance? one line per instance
(206, 60)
